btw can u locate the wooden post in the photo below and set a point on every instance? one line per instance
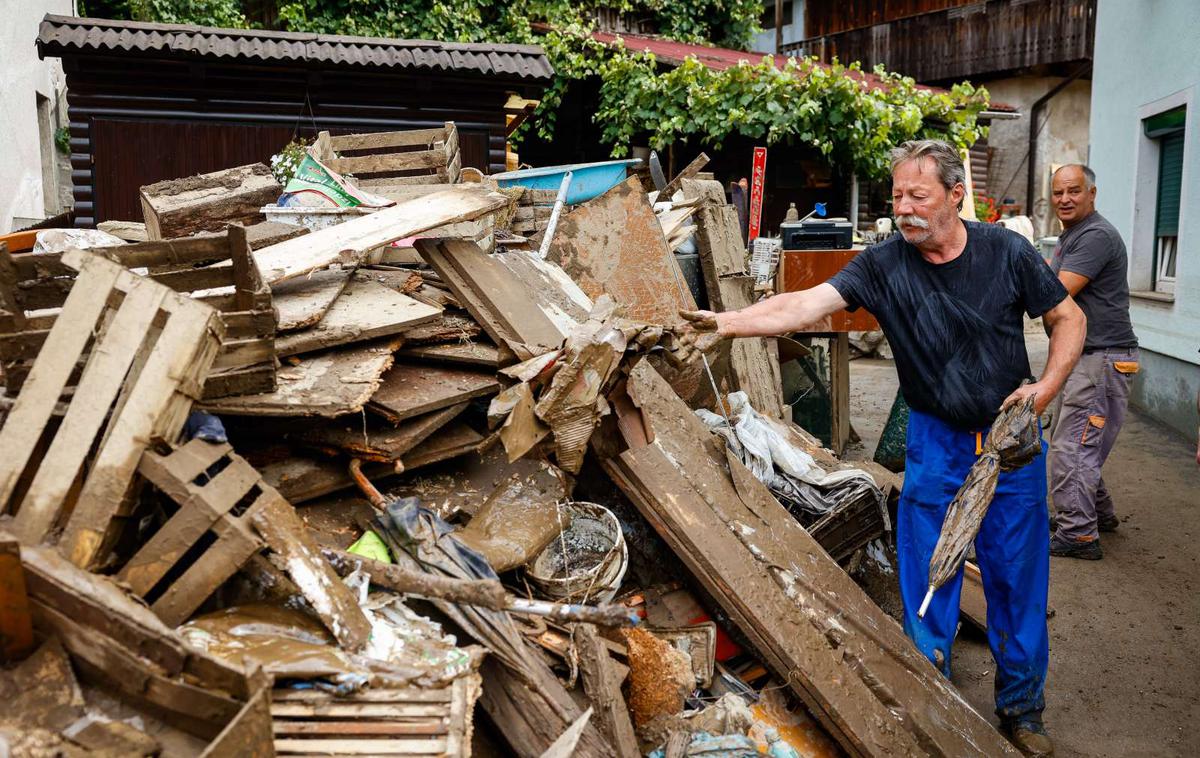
(16, 623)
(839, 391)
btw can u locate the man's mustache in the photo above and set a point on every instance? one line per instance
(917, 221)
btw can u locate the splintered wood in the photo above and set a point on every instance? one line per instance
(393, 722)
(145, 351)
(410, 389)
(614, 244)
(816, 629)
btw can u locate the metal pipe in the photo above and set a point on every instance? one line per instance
(558, 206)
(1033, 132)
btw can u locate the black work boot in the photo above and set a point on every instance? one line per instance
(1108, 524)
(1088, 551)
(1030, 738)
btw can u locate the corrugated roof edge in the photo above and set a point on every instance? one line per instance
(58, 34)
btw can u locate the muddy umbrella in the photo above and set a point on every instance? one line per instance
(1012, 442)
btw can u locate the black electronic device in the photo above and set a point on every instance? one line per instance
(817, 234)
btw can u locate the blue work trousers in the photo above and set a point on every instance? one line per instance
(1013, 553)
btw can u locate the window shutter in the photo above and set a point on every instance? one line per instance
(1170, 182)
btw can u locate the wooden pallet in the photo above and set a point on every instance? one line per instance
(379, 160)
(145, 351)
(34, 286)
(227, 513)
(116, 644)
(409, 721)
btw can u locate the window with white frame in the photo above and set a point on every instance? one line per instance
(1167, 129)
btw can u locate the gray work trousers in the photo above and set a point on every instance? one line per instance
(1087, 419)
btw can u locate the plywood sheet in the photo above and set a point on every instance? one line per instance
(378, 442)
(303, 301)
(465, 353)
(365, 310)
(329, 383)
(614, 244)
(410, 389)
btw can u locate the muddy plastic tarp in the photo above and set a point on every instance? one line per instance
(1012, 442)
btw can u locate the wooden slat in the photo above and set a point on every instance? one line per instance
(16, 622)
(232, 549)
(340, 710)
(358, 728)
(360, 747)
(410, 389)
(184, 464)
(412, 695)
(378, 140)
(102, 379)
(387, 162)
(24, 423)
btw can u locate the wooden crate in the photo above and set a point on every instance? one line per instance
(34, 286)
(379, 160)
(409, 721)
(145, 351)
(116, 644)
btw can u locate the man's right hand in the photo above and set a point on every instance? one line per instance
(699, 333)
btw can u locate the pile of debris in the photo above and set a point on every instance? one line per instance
(601, 550)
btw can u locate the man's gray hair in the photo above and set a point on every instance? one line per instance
(1089, 176)
(947, 159)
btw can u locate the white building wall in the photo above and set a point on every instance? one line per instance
(1147, 62)
(793, 28)
(25, 78)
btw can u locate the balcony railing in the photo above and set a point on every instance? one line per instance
(983, 38)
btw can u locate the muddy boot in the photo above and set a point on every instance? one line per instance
(1108, 524)
(1030, 738)
(1088, 551)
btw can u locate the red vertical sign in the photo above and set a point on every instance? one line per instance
(756, 191)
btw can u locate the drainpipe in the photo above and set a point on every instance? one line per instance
(1035, 111)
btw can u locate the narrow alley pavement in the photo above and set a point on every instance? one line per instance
(1124, 672)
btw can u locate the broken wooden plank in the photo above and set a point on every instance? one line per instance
(689, 172)
(365, 310)
(614, 244)
(851, 664)
(375, 442)
(972, 603)
(410, 389)
(753, 362)
(16, 623)
(499, 301)
(303, 301)
(349, 242)
(464, 353)
(451, 327)
(207, 202)
(603, 688)
(330, 599)
(329, 383)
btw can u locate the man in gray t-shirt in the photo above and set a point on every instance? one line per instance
(1091, 262)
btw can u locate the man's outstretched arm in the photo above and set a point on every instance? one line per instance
(781, 314)
(1067, 327)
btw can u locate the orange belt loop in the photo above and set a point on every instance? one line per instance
(978, 443)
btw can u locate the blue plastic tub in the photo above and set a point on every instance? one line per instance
(588, 180)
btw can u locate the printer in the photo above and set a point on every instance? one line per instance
(817, 234)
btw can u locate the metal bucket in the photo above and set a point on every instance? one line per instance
(586, 563)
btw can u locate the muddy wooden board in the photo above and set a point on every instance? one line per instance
(374, 440)
(753, 362)
(614, 244)
(464, 353)
(410, 389)
(813, 626)
(365, 310)
(138, 382)
(503, 304)
(329, 383)
(349, 242)
(301, 302)
(301, 479)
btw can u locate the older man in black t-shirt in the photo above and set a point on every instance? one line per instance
(951, 297)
